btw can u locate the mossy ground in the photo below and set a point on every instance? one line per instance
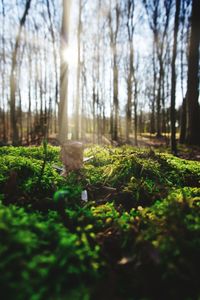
(138, 236)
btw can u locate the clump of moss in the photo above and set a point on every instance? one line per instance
(36, 152)
(21, 179)
(40, 258)
(139, 176)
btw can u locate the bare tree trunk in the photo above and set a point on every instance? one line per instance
(130, 28)
(3, 61)
(193, 122)
(20, 116)
(158, 100)
(63, 105)
(83, 96)
(115, 98)
(94, 110)
(54, 114)
(29, 116)
(113, 43)
(135, 115)
(153, 127)
(77, 102)
(183, 121)
(173, 80)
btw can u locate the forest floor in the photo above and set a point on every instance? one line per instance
(162, 144)
(136, 238)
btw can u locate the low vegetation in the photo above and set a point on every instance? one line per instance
(137, 237)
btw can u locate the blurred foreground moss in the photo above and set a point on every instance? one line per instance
(40, 258)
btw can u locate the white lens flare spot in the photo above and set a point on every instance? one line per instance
(70, 56)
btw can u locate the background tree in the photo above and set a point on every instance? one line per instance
(129, 9)
(114, 18)
(193, 114)
(78, 75)
(63, 105)
(173, 79)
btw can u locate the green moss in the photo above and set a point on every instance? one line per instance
(142, 176)
(32, 152)
(21, 178)
(37, 249)
(141, 226)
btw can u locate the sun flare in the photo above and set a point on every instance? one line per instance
(70, 55)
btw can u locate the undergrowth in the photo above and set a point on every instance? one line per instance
(136, 238)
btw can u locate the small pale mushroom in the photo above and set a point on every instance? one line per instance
(72, 156)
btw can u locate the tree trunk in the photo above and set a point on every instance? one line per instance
(115, 98)
(77, 103)
(193, 120)
(94, 110)
(63, 104)
(54, 114)
(158, 100)
(173, 80)
(3, 61)
(183, 121)
(129, 86)
(114, 28)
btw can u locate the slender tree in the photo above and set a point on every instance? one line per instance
(114, 30)
(3, 65)
(130, 6)
(173, 80)
(55, 54)
(78, 75)
(63, 105)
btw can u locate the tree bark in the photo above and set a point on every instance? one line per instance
(55, 54)
(113, 43)
(193, 120)
(63, 104)
(173, 80)
(183, 121)
(130, 28)
(77, 103)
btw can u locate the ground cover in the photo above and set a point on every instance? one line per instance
(137, 237)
